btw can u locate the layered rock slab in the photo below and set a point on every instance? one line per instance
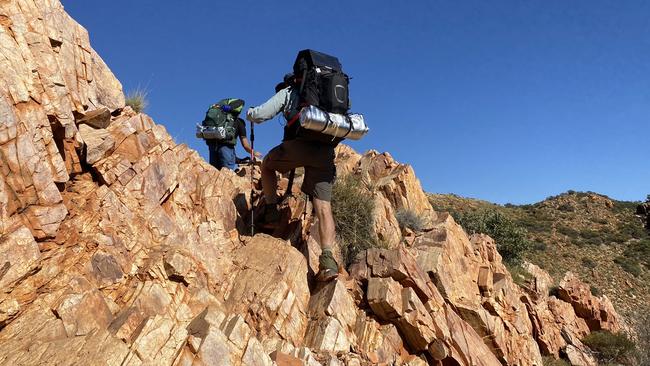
(121, 247)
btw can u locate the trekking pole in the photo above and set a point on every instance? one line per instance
(252, 184)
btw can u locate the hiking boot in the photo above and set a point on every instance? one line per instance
(328, 269)
(271, 215)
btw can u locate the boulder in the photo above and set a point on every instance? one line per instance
(98, 118)
(598, 312)
(19, 255)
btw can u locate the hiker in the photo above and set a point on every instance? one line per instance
(222, 154)
(221, 128)
(295, 151)
(318, 160)
(314, 100)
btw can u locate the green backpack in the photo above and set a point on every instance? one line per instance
(220, 121)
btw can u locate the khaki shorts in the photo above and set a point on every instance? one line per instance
(316, 158)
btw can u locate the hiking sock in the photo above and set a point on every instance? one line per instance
(327, 261)
(271, 213)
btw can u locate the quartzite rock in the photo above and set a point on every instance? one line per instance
(19, 254)
(99, 118)
(120, 247)
(598, 312)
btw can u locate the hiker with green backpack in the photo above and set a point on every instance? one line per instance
(319, 85)
(220, 129)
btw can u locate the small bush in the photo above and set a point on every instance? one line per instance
(594, 240)
(535, 224)
(591, 236)
(137, 100)
(554, 291)
(409, 219)
(595, 290)
(629, 265)
(566, 207)
(519, 275)
(588, 262)
(510, 238)
(639, 250)
(601, 221)
(570, 232)
(550, 361)
(353, 207)
(540, 246)
(643, 335)
(610, 347)
(633, 230)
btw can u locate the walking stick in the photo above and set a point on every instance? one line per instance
(252, 185)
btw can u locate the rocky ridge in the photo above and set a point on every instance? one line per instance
(599, 239)
(120, 247)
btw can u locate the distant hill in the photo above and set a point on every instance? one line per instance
(599, 238)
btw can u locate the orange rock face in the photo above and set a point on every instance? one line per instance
(120, 247)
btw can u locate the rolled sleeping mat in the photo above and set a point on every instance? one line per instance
(351, 127)
(210, 133)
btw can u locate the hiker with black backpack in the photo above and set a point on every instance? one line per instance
(317, 85)
(220, 129)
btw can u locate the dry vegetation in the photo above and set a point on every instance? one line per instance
(592, 235)
(137, 99)
(352, 207)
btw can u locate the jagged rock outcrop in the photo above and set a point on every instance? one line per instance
(598, 312)
(471, 276)
(393, 186)
(556, 326)
(120, 247)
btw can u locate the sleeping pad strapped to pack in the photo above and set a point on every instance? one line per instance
(324, 101)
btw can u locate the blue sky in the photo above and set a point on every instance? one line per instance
(509, 101)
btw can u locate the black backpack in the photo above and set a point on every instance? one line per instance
(321, 82)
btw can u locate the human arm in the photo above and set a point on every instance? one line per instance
(241, 132)
(246, 145)
(270, 108)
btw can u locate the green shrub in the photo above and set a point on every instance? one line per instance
(566, 207)
(519, 275)
(633, 230)
(510, 238)
(570, 232)
(535, 224)
(409, 219)
(540, 246)
(625, 207)
(629, 265)
(137, 99)
(352, 207)
(590, 234)
(588, 262)
(600, 220)
(550, 361)
(610, 347)
(643, 336)
(639, 251)
(594, 290)
(554, 291)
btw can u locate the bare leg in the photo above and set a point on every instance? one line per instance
(326, 227)
(269, 185)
